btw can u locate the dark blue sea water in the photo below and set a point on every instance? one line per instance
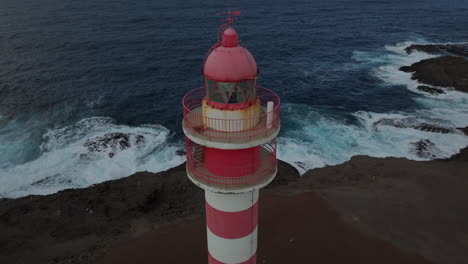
(74, 70)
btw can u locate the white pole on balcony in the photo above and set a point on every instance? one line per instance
(270, 105)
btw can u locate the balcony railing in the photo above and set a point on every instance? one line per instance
(199, 171)
(262, 122)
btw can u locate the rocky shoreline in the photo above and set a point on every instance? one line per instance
(374, 210)
(417, 206)
(450, 70)
(440, 49)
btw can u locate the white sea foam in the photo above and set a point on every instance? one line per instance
(321, 140)
(312, 140)
(65, 161)
(326, 141)
(94, 102)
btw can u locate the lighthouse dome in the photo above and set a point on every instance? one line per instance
(230, 62)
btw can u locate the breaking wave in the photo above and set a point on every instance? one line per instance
(422, 134)
(91, 151)
(39, 161)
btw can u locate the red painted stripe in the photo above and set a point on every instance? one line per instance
(212, 260)
(231, 225)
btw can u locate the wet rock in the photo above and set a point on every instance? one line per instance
(424, 149)
(180, 152)
(112, 143)
(408, 69)
(52, 180)
(434, 129)
(301, 165)
(431, 90)
(388, 122)
(438, 49)
(464, 130)
(445, 71)
(410, 123)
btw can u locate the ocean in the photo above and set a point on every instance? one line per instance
(72, 71)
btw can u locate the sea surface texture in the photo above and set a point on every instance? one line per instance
(91, 91)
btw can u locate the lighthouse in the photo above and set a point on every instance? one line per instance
(230, 125)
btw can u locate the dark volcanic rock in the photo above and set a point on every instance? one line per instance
(411, 123)
(180, 152)
(112, 143)
(446, 71)
(424, 149)
(464, 130)
(389, 122)
(431, 90)
(438, 49)
(434, 129)
(408, 69)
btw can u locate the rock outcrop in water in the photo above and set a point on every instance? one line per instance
(112, 143)
(424, 149)
(434, 129)
(445, 71)
(431, 90)
(180, 152)
(464, 130)
(441, 49)
(409, 123)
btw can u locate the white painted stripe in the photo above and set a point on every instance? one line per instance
(232, 251)
(232, 202)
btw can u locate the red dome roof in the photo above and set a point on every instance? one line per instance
(230, 62)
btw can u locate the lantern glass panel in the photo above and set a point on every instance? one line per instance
(222, 92)
(246, 91)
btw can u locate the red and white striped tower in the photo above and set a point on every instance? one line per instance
(230, 126)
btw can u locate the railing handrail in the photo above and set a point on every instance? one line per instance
(258, 122)
(200, 171)
(190, 109)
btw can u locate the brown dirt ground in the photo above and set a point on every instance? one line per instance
(365, 210)
(300, 228)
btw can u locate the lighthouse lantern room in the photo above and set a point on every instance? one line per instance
(230, 125)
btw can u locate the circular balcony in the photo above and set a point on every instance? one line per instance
(253, 128)
(243, 179)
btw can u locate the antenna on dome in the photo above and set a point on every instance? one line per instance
(227, 21)
(231, 16)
